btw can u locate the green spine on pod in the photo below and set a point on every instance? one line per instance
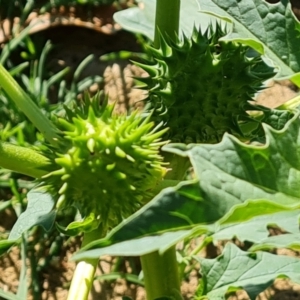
(107, 164)
(200, 87)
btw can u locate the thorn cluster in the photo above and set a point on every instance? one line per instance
(200, 87)
(107, 164)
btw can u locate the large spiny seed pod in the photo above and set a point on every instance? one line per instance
(201, 87)
(108, 164)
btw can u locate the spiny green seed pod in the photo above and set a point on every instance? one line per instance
(201, 87)
(108, 164)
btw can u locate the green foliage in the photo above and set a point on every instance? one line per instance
(255, 230)
(201, 87)
(39, 211)
(141, 19)
(121, 152)
(233, 196)
(253, 272)
(229, 179)
(279, 41)
(109, 166)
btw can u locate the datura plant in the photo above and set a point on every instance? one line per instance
(115, 157)
(105, 165)
(200, 87)
(108, 166)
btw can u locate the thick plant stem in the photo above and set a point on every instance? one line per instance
(83, 277)
(23, 160)
(28, 107)
(161, 274)
(166, 19)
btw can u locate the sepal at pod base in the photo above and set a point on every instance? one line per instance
(107, 164)
(200, 87)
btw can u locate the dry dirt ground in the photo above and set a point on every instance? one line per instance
(75, 43)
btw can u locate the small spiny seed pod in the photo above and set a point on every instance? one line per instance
(107, 164)
(201, 87)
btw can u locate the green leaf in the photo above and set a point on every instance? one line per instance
(272, 28)
(256, 229)
(88, 224)
(288, 240)
(237, 172)
(273, 117)
(174, 208)
(39, 211)
(133, 247)
(237, 183)
(141, 19)
(251, 271)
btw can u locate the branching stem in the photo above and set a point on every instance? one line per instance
(161, 272)
(83, 277)
(291, 104)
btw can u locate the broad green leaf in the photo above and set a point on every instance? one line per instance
(39, 211)
(256, 229)
(258, 207)
(174, 208)
(272, 27)
(275, 118)
(251, 271)
(141, 19)
(134, 247)
(236, 182)
(288, 240)
(237, 172)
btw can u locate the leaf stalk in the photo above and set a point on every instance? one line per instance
(161, 272)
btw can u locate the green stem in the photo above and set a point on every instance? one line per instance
(23, 160)
(166, 19)
(83, 277)
(28, 107)
(161, 274)
(290, 104)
